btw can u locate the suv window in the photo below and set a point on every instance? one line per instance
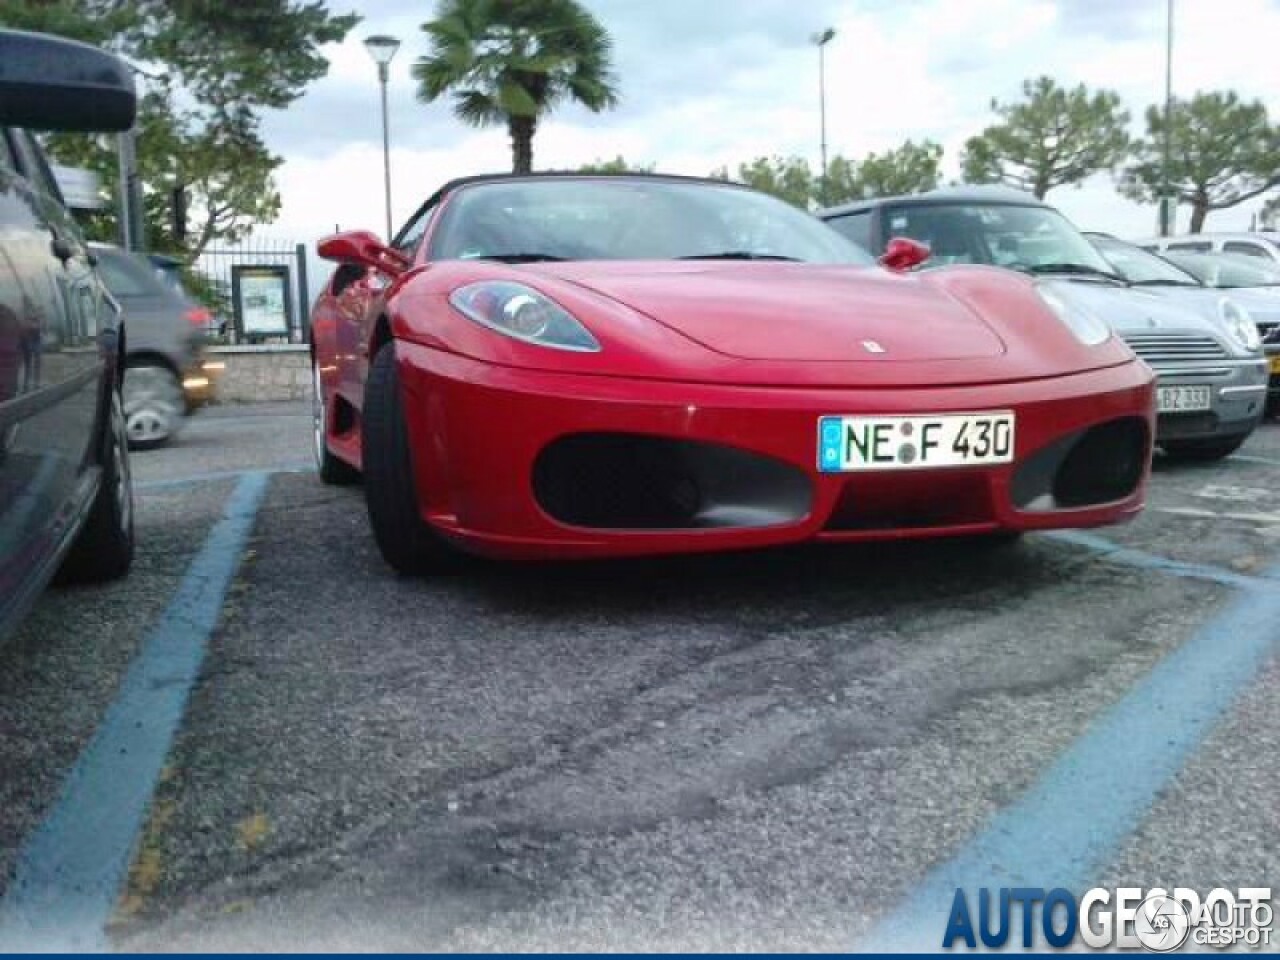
(1248, 249)
(32, 163)
(125, 277)
(855, 226)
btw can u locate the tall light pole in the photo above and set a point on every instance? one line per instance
(1166, 188)
(382, 48)
(821, 40)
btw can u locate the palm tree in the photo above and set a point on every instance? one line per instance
(513, 61)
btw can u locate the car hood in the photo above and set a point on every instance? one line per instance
(1140, 309)
(1263, 303)
(795, 312)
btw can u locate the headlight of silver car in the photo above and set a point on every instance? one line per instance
(523, 313)
(1239, 324)
(1089, 329)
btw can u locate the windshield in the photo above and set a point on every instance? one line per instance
(1138, 266)
(1021, 237)
(631, 219)
(126, 277)
(1227, 270)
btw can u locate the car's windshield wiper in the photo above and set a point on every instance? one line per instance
(1081, 269)
(531, 257)
(738, 255)
(1164, 283)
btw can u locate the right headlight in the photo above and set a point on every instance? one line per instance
(522, 313)
(1239, 324)
(1089, 329)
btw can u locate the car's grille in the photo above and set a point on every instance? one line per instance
(1269, 329)
(1161, 348)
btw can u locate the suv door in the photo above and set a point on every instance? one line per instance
(50, 366)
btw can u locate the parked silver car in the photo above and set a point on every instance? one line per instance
(1211, 384)
(166, 372)
(1253, 283)
(1259, 245)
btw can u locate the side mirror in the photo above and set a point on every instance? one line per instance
(50, 83)
(364, 249)
(903, 253)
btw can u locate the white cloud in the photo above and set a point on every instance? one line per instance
(715, 83)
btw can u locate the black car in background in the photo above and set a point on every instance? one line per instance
(167, 374)
(66, 500)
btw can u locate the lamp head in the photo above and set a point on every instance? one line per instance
(381, 47)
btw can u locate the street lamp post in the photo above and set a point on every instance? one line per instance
(821, 40)
(1166, 188)
(382, 48)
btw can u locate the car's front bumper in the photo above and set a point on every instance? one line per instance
(1238, 390)
(493, 453)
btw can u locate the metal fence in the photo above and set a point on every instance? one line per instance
(218, 268)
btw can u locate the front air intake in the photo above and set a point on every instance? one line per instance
(624, 481)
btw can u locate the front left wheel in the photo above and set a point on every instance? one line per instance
(407, 543)
(104, 548)
(154, 404)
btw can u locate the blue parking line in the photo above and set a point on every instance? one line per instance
(168, 483)
(69, 874)
(1073, 819)
(1128, 556)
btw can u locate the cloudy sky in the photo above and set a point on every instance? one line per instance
(711, 82)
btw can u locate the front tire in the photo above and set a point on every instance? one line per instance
(406, 542)
(104, 548)
(1202, 451)
(153, 405)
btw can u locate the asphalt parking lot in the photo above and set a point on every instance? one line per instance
(798, 749)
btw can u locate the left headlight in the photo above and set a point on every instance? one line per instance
(1089, 329)
(523, 313)
(1239, 324)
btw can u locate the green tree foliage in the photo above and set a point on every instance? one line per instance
(225, 62)
(910, 168)
(1051, 138)
(224, 54)
(513, 61)
(1223, 152)
(617, 165)
(1271, 213)
(224, 168)
(788, 178)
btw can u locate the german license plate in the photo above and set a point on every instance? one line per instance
(849, 444)
(1182, 399)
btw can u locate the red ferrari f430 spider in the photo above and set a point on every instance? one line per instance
(580, 366)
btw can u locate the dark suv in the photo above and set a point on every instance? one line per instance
(66, 501)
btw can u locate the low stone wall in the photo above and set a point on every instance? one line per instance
(263, 374)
